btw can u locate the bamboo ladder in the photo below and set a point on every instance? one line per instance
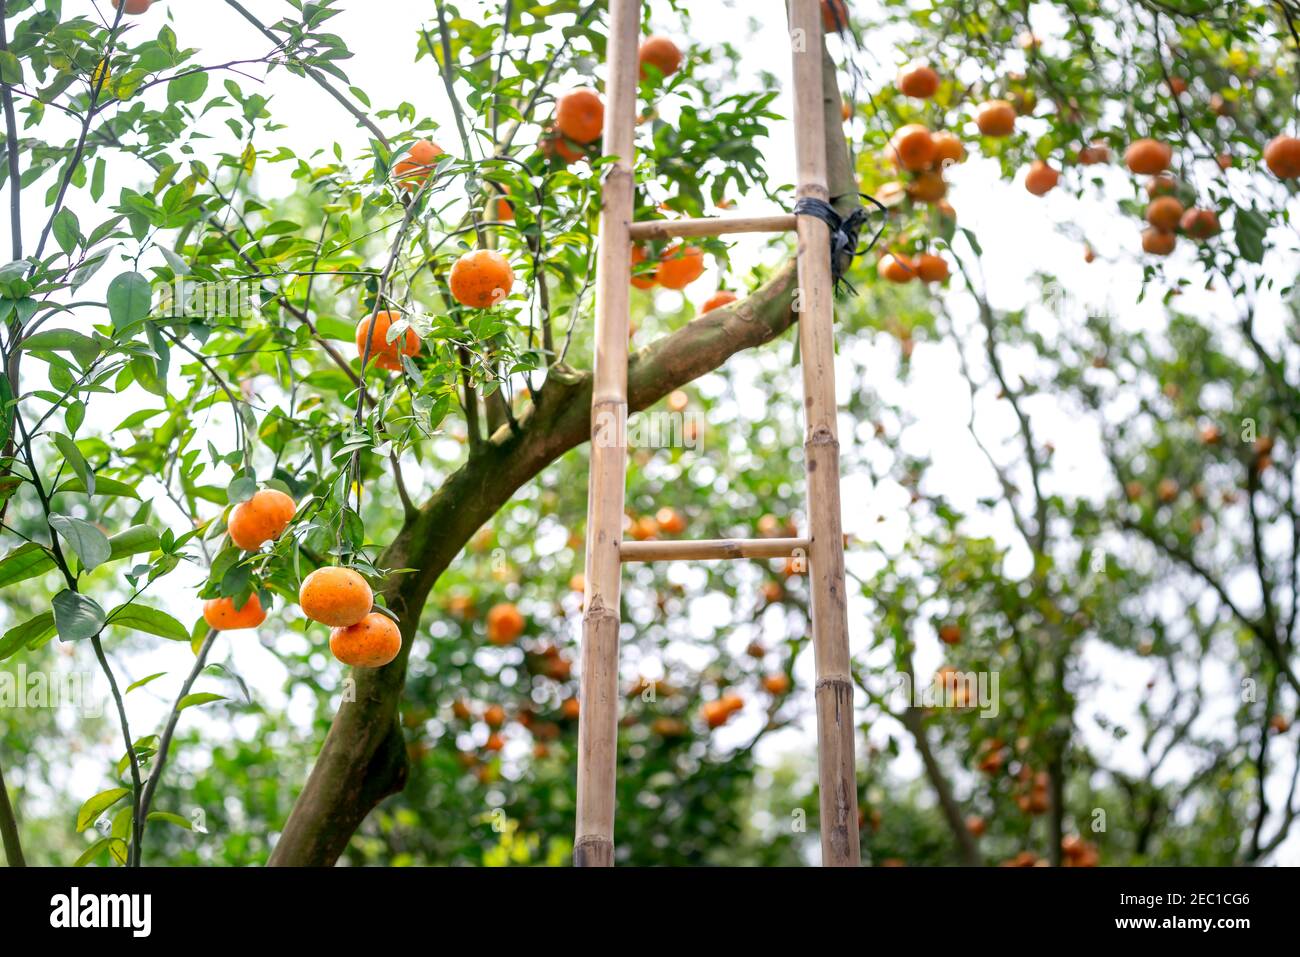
(606, 551)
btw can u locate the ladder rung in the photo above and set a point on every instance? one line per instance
(714, 226)
(709, 549)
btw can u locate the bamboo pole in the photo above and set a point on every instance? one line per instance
(709, 549)
(598, 718)
(834, 693)
(712, 226)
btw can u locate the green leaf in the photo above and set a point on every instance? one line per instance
(150, 620)
(33, 629)
(129, 299)
(11, 71)
(78, 461)
(67, 230)
(76, 616)
(103, 486)
(58, 340)
(198, 698)
(134, 541)
(92, 852)
(187, 88)
(24, 562)
(90, 544)
(1251, 228)
(97, 805)
(144, 681)
(169, 818)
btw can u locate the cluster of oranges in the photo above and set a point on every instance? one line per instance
(666, 521)
(1165, 215)
(718, 712)
(334, 596)
(677, 267)
(921, 157)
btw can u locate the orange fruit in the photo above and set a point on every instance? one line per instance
(1088, 254)
(950, 633)
(1200, 223)
(1041, 178)
(846, 111)
(835, 15)
(1161, 185)
(645, 529)
(383, 352)
(670, 521)
(931, 268)
(552, 144)
(719, 299)
(918, 80)
(505, 623)
(1165, 213)
(1158, 242)
(495, 742)
(372, 642)
(494, 715)
(1282, 154)
(912, 147)
(1094, 154)
(678, 401)
(135, 7)
(1225, 161)
(715, 713)
(660, 53)
(1147, 157)
(580, 115)
(928, 187)
(412, 170)
(222, 615)
(996, 118)
(776, 684)
(948, 148)
(335, 596)
(578, 582)
(975, 824)
(1167, 490)
(1177, 85)
(263, 518)
(571, 708)
(644, 280)
(895, 267)
(482, 278)
(505, 210)
(679, 266)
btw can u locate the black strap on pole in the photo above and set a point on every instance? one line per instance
(844, 233)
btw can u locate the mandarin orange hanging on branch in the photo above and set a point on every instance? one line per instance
(835, 15)
(679, 266)
(1147, 157)
(895, 267)
(1282, 155)
(414, 169)
(660, 53)
(386, 354)
(505, 623)
(372, 642)
(996, 118)
(481, 279)
(1158, 242)
(335, 596)
(263, 518)
(222, 615)
(135, 7)
(918, 81)
(1200, 223)
(580, 115)
(719, 299)
(1165, 213)
(948, 149)
(642, 280)
(912, 147)
(1041, 179)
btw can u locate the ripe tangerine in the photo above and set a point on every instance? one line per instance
(335, 596)
(482, 278)
(372, 642)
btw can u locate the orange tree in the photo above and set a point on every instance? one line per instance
(397, 344)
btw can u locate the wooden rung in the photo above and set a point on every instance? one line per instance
(714, 226)
(710, 549)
